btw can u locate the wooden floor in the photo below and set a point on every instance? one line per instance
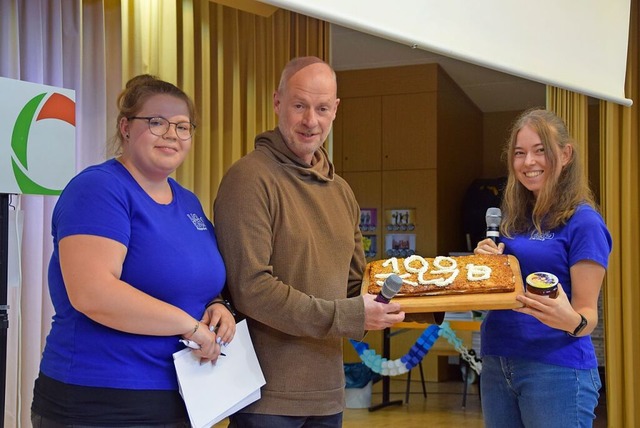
(441, 408)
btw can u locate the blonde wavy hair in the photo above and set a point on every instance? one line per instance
(560, 194)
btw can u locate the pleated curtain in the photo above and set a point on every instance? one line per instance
(618, 163)
(59, 44)
(229, 62)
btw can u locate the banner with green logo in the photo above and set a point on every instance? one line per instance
(37, 137)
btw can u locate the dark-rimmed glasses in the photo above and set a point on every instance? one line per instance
(160, 126)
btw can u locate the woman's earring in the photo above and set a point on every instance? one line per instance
(127, 136)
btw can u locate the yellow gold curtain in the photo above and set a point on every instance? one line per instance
(149, 42)
(620, 202)
(228, 61)
(620, 160)
(573, 108)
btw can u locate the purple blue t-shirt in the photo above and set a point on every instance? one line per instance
(511, 334)
(172, 255)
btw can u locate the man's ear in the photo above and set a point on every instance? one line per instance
(276, 103)
(335, 108)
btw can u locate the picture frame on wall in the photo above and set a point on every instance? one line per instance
(368, 219)
(400, 244)
(400, 220)
(370, 245)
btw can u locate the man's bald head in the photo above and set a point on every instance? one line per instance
(296, 65)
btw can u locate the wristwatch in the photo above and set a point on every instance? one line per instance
(580, 327)
(224, 302)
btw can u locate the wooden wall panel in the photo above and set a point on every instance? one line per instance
(388, 81)
(459, 160)
(409, 131)
(367, 186)
(415, 189)
(431, 146)
(362, 132)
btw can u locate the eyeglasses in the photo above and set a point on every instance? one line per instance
(160, 126)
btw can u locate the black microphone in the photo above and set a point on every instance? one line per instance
(493, 218)
(390, 288)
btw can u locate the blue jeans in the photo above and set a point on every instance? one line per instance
(256, 420)
(521, 393)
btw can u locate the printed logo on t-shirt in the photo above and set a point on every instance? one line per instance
(197, 221)
(536, 236)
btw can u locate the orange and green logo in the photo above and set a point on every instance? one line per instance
(55, 107)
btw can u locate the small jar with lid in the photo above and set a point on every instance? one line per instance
(542, 284)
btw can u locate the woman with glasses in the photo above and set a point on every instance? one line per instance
(135, 268)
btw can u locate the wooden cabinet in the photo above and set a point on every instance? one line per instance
(409, 138)
(364, 129)
(413, 189)
(367, 186)
(409, 131)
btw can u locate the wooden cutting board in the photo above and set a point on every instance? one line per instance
(460, 302)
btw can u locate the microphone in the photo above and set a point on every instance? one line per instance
(493, 218)
(390, 288)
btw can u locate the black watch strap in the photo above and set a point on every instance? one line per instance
(580, 327)
(224, 302)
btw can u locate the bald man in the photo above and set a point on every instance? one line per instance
(288, 230)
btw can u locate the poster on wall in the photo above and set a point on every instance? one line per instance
(368, 226)
(400, 244)
(368, 219)
(370, 245)
(400, 219)
(37, 138)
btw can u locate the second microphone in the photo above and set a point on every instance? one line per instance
(390, 288)
(493, 218)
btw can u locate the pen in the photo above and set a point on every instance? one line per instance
(193, 345)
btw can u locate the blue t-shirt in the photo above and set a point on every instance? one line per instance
(511, 334)
(172, 255)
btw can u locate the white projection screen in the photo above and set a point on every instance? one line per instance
(579, 45)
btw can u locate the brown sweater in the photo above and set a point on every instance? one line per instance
(289, 236)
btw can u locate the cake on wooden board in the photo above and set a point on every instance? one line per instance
(472, 274)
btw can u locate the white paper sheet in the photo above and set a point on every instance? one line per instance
(213, 392)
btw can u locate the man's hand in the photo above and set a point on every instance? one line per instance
(378, 316)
